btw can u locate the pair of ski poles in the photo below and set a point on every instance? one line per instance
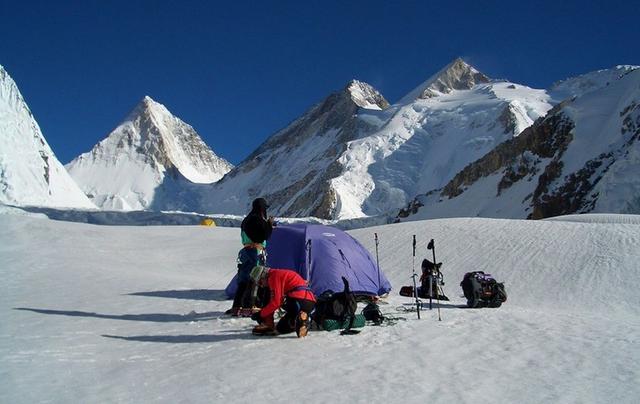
(430, 246)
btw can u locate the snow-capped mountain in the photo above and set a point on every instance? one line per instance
(426, 141)
(149, 161)
(583, 156)
(294, 168)
(353, 155)
(30, 173)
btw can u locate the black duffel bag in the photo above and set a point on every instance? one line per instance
(482, 290)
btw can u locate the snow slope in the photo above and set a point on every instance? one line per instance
(133, 314)
(588, 82)
(426, 142)
(30, 173)
(584, 156)
(147, 162)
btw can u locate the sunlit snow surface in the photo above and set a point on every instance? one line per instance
(134, 314)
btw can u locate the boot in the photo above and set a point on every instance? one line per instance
(303, 323)
(263, 329)
(234, 311)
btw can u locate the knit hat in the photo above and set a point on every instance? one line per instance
(260, 204)
(258, 272)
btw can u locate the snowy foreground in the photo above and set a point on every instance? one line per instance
(99, 314)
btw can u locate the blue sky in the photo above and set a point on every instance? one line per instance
(239, 71)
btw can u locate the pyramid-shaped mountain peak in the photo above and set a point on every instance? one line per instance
(149, 151)
(147, 106)
(457, 75)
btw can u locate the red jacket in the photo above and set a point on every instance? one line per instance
(284, 283)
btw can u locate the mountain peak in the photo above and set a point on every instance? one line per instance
(30, 173)
(365, 95)
(457, 75)
(148, 107)
(151, 149)
(148, 102)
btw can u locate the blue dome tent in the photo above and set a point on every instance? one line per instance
(323, 255)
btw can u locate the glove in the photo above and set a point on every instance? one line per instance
(256, 317)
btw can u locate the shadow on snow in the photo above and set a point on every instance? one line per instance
(192, 294)
(185, 339)
(151, 317)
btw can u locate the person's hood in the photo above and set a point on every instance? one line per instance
(259, 205)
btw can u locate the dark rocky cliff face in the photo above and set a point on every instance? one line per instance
(575, 194)
(572, 196)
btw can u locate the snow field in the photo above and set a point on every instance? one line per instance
(133, 314)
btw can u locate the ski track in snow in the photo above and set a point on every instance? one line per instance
(134, 314)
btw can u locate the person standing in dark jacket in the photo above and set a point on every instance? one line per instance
(256, 227)
(255, 230)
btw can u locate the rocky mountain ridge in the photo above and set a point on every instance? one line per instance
(294, 167)
(583, 156)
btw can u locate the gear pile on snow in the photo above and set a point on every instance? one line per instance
(482, 290)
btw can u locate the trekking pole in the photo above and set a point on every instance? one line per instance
(415, 288)
(430, 280)
(377, 260)
(431, 246)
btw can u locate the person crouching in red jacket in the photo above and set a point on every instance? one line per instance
(291, 293)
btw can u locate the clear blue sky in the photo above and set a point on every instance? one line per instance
(238, 71)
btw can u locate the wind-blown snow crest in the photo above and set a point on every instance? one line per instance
(588, 82)
(30, 173)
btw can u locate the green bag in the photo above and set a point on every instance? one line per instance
(330, 325)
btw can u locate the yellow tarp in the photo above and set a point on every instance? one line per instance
(207, 221)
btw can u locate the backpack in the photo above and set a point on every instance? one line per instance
(431, 274)
(482, 290)
(340, 306)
